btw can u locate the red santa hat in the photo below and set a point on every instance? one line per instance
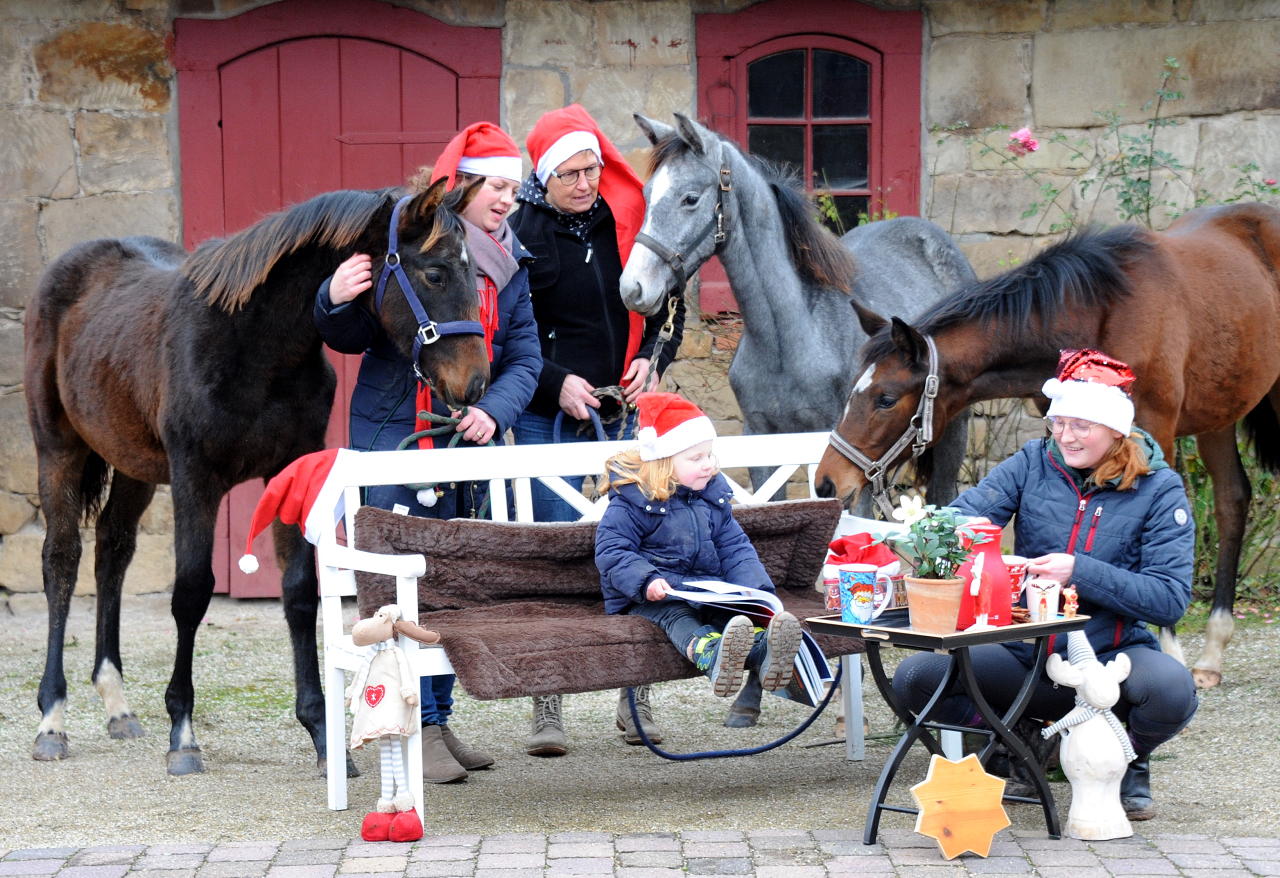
(566, 132)
(670, 424)
(308, 492)
(482, 149)
(1091, 386)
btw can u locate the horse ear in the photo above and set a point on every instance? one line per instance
(652, 128)
(467, 194)
(424, 204)
(689, 133)
(870, 321)
(909, 340)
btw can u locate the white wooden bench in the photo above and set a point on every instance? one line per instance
(500, 465)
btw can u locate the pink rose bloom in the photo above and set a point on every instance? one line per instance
(1271, 182)
(1021, 142)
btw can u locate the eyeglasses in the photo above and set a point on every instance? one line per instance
(1079, 429)
(570, 178)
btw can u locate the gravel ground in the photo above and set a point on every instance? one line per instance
(262, 783)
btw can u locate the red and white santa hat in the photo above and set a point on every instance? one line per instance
(1091, 386)
(670, 424)
(308, 492)
(482, 149)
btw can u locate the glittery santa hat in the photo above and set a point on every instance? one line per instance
(308, 492)
(670, 424)
(482, 149)
(1093, 387)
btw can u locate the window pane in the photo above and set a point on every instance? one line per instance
(839, 157)
(841, 85)
(782, 144)
(775, 86)
(847, 208)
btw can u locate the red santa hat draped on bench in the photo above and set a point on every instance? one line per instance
(307, 492)
(562, 134)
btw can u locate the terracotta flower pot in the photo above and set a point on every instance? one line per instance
(934, 604)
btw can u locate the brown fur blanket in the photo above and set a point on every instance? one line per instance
(519, 608)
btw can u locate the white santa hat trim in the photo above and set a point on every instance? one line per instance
(683, 436)
(566, 147)
(1090, 401)
(506, 166)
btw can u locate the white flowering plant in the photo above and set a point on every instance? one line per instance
(937, 540)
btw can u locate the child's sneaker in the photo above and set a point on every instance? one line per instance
(723, 657)
(781, 643)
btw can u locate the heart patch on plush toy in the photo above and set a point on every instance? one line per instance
(373, 695)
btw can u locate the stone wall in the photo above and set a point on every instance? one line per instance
(87, 149)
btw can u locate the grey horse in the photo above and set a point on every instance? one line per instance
(798, 289)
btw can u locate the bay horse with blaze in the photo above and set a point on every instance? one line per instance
(1194, 310)
(147, 366)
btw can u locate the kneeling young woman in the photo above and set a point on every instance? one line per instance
(1097, 507)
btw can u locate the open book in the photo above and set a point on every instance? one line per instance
(809, 683)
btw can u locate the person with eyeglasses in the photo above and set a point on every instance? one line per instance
(1097, 507)
(580, 211)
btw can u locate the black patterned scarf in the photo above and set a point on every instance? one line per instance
(533, 192)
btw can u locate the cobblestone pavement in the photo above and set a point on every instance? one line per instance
(766, 853)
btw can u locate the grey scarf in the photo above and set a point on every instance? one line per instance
(492, 253)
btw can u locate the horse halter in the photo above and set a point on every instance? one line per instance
(919, 433)
(676, 261)
(429, 332)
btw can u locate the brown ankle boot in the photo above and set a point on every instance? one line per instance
(468, 757)
(438, 764)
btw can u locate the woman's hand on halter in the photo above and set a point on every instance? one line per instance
(633, 383)
(351, 279)
(1056, 565)
(575, 397)
(657, 590)
(477, 426)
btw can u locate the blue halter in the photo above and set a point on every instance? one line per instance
(429, 332)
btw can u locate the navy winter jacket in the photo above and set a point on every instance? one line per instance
(690, 535)
(382, 405)
(1133, 549)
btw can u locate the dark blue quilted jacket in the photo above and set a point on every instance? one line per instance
(690, 535)
(1133, 549)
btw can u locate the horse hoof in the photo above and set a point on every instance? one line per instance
(185, 761)
(741, 719)
(51, 747)
(1206, 679)
(125, 727)
(322, 763)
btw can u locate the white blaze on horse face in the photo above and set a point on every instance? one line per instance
(865, 381)
(661, 184)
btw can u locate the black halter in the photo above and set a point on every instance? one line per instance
(676, 261)
(429, 332)
(919, 433)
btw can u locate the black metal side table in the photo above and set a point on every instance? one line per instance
(893, 629)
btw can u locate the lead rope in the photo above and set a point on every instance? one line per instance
(447, 425)
(729, 754)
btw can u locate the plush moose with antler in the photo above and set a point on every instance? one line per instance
(384, 700)
(1095, 746)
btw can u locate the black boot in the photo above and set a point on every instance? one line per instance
(1135, 789)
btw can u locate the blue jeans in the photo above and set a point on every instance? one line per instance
(437, 699)
(531, 429)
(682, 621)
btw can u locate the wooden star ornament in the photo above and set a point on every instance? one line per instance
(960, 806)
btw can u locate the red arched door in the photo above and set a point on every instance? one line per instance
(300, 98)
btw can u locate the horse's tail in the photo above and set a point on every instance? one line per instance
(94, 479)
(1262, 428)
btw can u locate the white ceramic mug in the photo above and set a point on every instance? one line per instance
(1042, 599)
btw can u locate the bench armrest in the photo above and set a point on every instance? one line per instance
(332, 555)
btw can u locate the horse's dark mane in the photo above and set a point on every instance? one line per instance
(817, 254)
(226, 271)
(1084, 270)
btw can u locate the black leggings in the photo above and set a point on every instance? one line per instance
(1156, 701)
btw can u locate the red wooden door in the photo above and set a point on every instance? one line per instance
(308, 114)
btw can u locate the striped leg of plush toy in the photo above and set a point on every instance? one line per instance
(390, 752)
(404, 798)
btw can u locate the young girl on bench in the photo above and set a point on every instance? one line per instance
(669, 522)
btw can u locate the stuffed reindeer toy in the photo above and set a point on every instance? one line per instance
(383, 699)
(1095, 746)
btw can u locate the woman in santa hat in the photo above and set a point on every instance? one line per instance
(1099, 508)
(581, 209)
(388, 396)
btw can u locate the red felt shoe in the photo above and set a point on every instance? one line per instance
(406, 826)
(376, 826)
